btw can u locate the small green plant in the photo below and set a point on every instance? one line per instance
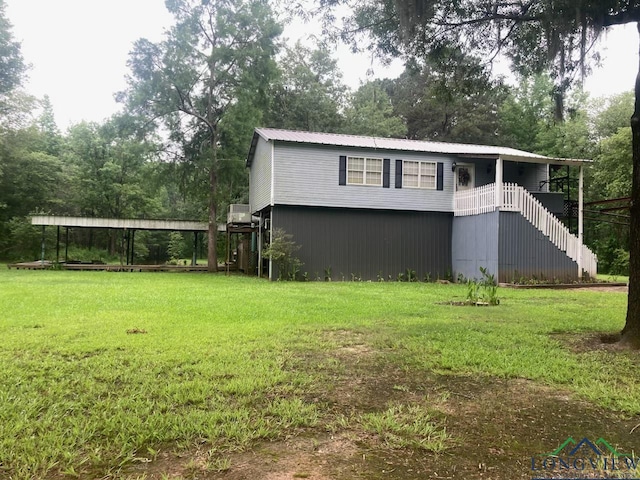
(327, 274)
(448, 275)
(281, 251)
(410, 275)
(380, 276)
(483, 291)
(427, 277)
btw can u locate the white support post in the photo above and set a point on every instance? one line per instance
(270, 240)
(260, 246)
(580, 219)
(498, 183)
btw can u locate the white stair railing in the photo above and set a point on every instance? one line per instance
(516, 199)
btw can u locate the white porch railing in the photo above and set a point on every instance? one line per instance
(475, 201)
(516, 199)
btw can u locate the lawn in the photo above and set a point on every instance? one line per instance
(156, 375)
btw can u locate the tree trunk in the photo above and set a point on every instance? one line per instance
(631, 331)
(212, 252)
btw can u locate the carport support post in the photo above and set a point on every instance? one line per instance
(133, 240)
(194, 257)
(58, 245)
(66, 244)
(42, 246)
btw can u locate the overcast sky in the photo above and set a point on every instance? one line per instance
(78, 51)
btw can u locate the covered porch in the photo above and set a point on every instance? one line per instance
(540, 244)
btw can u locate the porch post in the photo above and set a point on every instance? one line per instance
(580, 218)
(260, 246)
(498, 200)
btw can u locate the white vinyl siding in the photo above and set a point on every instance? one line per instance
(419, 174)
(260, 176)
(309, 175)
(364, 171)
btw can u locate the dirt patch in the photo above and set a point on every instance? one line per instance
(612, 289)
(596, 342)
(495, 426)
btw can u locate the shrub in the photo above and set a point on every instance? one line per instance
(281, 251)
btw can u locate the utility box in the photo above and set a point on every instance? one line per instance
(239, 213)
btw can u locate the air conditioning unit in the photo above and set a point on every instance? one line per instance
(239, 213)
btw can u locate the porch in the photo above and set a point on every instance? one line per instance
(536, 247)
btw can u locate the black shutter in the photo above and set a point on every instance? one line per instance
(440, 176)
(398, 173)
(342, 174)
(386, 167)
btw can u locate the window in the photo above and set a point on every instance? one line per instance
(419, 174)
(364, 171)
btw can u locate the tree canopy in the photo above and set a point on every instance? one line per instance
(216, 53)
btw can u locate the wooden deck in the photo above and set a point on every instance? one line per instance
(110, 268)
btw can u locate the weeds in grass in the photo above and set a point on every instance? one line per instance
(402, 426)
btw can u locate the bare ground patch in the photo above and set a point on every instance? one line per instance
(495, 426)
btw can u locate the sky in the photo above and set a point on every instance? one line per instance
(78, 50)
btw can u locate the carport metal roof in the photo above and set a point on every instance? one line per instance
(120, 223)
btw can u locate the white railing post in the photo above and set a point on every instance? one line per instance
(499, 186)
(580, 220)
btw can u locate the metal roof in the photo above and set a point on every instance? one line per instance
(380, 143)
(120, 223)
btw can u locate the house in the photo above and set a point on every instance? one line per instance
(372, 208)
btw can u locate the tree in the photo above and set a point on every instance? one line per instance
(610, 177)
(448, 96)
(370, 112)
(111, 166)
(525, 110)
(216, 52)
(612, 114)
(12, 66)
(555, 35)
(47, 126)
(31, 180)
(309, 94)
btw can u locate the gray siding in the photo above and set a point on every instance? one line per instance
(485, 172)
(525, 252)
(308, 175)
(368, 243)
(475, 245)
(260, 176)
(527, 175)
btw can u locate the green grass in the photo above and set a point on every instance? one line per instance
(215, 358)
(613, 278)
